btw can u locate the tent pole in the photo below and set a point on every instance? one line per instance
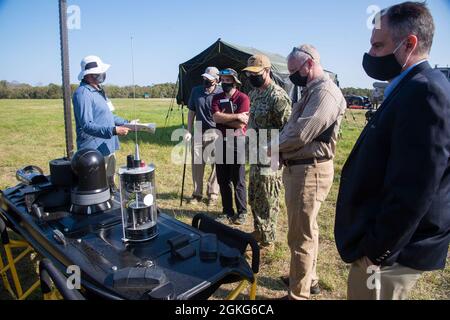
(64, 42)
(185, 160)
(169, 112)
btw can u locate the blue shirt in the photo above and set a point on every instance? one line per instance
(397, 79)
(200, 102)
(94, 120)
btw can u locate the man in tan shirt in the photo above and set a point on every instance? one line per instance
(306, 147)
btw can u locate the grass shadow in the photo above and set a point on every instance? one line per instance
(222, 293)
(274, 284)
(162, 137)
(187, 214)
(168, 196)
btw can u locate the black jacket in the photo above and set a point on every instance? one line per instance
(394, 197)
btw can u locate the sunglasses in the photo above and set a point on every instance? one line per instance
(302, 51)
(226, 73)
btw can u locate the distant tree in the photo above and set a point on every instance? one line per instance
(53, 91)
(4, 90)
(357, 91)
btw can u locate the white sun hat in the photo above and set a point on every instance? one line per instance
(92, 65)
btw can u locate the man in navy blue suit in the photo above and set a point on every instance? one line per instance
(393, 209)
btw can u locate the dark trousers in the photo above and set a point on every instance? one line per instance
(229, 176)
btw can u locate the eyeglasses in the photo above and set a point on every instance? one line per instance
(302, 51)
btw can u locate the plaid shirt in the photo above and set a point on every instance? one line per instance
(322, 104)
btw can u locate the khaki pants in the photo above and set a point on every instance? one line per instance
(306, 186)
(369, 282)
(198, 167)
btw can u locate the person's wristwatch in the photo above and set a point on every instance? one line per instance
(114, 131)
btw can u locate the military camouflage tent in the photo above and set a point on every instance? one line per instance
(225, 55)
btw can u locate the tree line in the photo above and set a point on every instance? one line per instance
(10, 90)
(357, 92)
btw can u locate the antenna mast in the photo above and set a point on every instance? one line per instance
(136, 145)
(64, 42)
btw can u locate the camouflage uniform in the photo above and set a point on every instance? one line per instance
(269, 109)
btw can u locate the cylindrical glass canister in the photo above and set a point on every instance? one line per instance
(138, 203)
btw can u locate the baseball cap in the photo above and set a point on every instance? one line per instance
(257, 63)
(211, 73)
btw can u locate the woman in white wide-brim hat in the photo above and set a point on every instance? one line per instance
(92, 65)
(96, 126)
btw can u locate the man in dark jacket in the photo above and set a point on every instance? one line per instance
(393, 208)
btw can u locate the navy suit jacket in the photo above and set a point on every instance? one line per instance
(394, 196)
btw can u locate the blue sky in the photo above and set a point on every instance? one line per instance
(167, 33)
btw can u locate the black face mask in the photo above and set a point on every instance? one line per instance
(207, 84)
(257, 81)
(385, 67)
(381, 68)
(227, 87)
(100, 78)
(298, 80)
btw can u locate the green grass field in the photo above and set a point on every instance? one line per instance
(32, 132)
